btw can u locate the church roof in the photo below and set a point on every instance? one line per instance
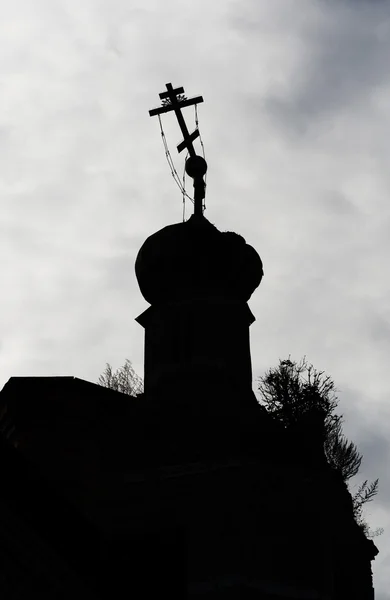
(194, 258)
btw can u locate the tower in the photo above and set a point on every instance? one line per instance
(198, 281)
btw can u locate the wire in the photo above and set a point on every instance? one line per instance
(197, 127)
(171, 163)
(174, 173)
(184, 187)
(203, 152)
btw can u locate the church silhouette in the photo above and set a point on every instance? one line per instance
(191, 489)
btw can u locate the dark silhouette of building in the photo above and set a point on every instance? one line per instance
(189, 490)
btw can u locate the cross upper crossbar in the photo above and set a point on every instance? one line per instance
(176, 104)
(167, 94)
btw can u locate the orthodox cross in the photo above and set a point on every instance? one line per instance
(196, 167)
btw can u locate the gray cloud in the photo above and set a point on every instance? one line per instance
(296, 127)
(344, 60)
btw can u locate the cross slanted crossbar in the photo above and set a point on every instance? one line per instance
(173, 102)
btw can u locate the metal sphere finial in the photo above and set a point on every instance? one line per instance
(196, 166)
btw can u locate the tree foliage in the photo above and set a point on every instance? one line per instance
(341, 454)
(365, 493)
(123, 380)
(291, 390)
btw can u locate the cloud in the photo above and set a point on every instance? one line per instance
(343, 62)
(296, 129)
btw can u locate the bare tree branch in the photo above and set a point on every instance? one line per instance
(124, 379)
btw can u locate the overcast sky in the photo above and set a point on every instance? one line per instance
(297, 137)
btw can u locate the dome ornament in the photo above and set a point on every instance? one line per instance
(196, 166)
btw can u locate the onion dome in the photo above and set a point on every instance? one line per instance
(195, 259)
